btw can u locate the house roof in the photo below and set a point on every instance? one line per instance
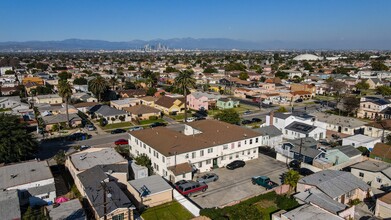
(106, 110)
(141, 109)
(386, 111)
(308, 142)
(386, 198)
(348, 150)
(167, 102)
(334, 183)
(9, 204)
(361, 138)
(271, 131)
(22, 173)
(149, 98)
(320, 199)
(338, 120)
(376, 100)
(92, 157)
(180, 169)
(382, 150)
(84, 104)
(155, 184)
(71, 209)
(55, 119)
(300, 127)
(125, 101)
(133, 92)
(198, 95)
(306, 151)
(213, 133)
(372, 165)
(309, 212)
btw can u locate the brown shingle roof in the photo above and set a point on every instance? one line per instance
(133, 92)
(181, 169)
(140, 109)
(386, 198)
(166, 101)
(85, 104)
(149, 98)
(382, 150)
(167, 141)
(386, 123)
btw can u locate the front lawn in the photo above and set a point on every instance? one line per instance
(147, 122)
(172, 210)
(117, 125)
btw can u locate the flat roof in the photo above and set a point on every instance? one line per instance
(71, 209)
(309, 212)
(92, 157)
(372, 165)
(9, 205)
(23, 173)
(155, 184)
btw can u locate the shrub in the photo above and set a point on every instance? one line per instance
(354, 202)
(286, 203)
(152, 117)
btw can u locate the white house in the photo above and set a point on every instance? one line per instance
(361, 140)
(33, 180)
(271, 136)
(375, 173)
(199, 145)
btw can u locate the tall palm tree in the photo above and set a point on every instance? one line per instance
(65, 91)
(291, 178)
(183, 82)
(98, 85)
(113, 81)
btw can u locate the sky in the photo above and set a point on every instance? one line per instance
(251, 20)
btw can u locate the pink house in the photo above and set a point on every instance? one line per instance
(199, 100)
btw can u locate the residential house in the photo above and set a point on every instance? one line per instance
(304, 149)
(360, 140)
(132, 93)
(378, 128)
(142, 112)
(383, 206)
(340, 125)
(341, 156)
(305, 212)
(372, 107)
(84, 106)
(9, 205)
(202, 100)
(245, 93)
(111, 115)
(33, 180)
(311, 89)
(150, 191)
(14, 104)
(170, 106)
(123, 103)
(148, 100)
(381, 152)
(71, 209)
(48, 99)
(374, 82)
(377, 174)
(5, 91)
(95, 184)
(236, 82)
(84, 97)
(200, 145)
(338, 185)
(271, 136)
(50, 120)
(226, 103)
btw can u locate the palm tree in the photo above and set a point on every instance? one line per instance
(65, 91)
(113, 81)
(291, 178)
(183, 82)
(98, 85)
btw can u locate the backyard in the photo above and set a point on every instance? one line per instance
(172, 210)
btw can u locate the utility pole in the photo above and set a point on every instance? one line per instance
(301, 156)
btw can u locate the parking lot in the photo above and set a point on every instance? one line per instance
(234, 185)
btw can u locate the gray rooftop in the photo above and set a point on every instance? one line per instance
(334, 183)
(9, 205)
(300, 127)
(282, 115)
(348, 150)
(270, 131)
(54, 119)
(22, 173)
(306, 151)
(309, 212)
(198, 95)
(125, 101)
(155, 184)
(339, 120)
(70, 210)
(88, 159)
(318, 198)
(305, 142)
(374, 166)
(106, 110)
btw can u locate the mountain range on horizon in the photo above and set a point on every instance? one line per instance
(192, 44)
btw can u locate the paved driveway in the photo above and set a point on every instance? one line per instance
(236, 184)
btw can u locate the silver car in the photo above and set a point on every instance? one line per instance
(137, 128)
(209, 177)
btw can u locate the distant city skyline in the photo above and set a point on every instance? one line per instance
(324, 22)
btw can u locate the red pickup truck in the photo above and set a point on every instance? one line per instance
(187, 189)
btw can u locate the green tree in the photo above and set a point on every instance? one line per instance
(151, 91)
(351, 104)
(15, 143)
(170, 69)
(151, 78)
(243, 76)
(98, 85)
(9, 72)
(281, 75)
(384, 90)
(60, 157)
(64, 75)
(210, 70)
(80, 81)
(183, 82)
(65, 91)
(291, 178)
(235, 66)
(281, 109)
(379, 66)
(228, 115)
(129, 85)
(363, 85)
(144, 160)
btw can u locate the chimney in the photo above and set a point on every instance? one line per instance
(271, 118)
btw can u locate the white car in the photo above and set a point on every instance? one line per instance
(191, 119)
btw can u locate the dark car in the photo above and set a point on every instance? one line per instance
(256, 120)
(79, 136)
(246, 122)
(305, 171)
(294, 164)
(121, 142)
(157, 124)
(118, 131)
(299, 100)
(235, 164)
(180, 182)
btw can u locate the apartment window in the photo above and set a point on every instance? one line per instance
(230, 157)
(251, 141)
(378, 180)
(225, 146)
(255, 151)
(157, 167)
(248, 152)
(286, 131)
(165, 172)
(193, 155)
(232, 146)
(275, 120)
(157, 155)
(149, 150)
(242, 152)
(145, 146)
(200, 164)
(119, 217)
(137, 152)
(237, 155)
(223, 158)
(45, 197)
(187, 156)
(184, 175)
(208, 161)
(239, 143)
(360, 174)
(245, 141)
(163, 159)
(346, 129)
(136, 141)
(210, 150)
(363, 105)
(202, 153)
(256, 140)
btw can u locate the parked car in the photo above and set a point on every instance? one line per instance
(191, 119)
(209, 177)
(246, 122)
(247, 112)
(256, 120)
(298, 100)
(121, 142)
(118, 131)
(84, 147)
(187, 189)
(157, 124)
(235, 164)
(294, 164)
(137, 128)
(79, 136)
(263, 181)
(90, 127)
(305, 172)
